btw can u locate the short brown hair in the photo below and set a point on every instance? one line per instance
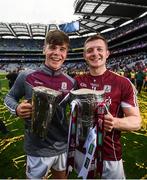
(96, 37)
(57, 37)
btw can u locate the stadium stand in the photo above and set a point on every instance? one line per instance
(127, 43)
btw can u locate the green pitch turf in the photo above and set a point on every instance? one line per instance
(13, 159)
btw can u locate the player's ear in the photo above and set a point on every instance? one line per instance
(84, 54)
(44, 49)
(108, 53)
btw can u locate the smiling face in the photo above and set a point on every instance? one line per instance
(55, 49)
(96, 54)
(55, 55)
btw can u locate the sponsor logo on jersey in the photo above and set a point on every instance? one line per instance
(83, 84)
(94, 85)
(36, 82)
(107, 88)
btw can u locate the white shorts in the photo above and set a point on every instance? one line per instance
(113, 170)
(38, 167)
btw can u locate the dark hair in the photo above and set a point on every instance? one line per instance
(96, 37)
(57, 37)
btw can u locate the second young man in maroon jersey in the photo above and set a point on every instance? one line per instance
(123, 113)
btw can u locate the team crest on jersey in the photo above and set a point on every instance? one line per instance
(64, 86)
(107, 88)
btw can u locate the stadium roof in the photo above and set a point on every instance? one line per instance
(100, 15)
(96, 16)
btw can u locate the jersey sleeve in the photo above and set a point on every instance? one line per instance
(129, 94)
(15, 94)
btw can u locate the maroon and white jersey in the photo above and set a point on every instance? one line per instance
(56, 141)
(122, 93)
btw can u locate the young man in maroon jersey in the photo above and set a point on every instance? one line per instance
(46, 153)
(123, 114)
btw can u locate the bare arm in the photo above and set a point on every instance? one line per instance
(131, 121)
